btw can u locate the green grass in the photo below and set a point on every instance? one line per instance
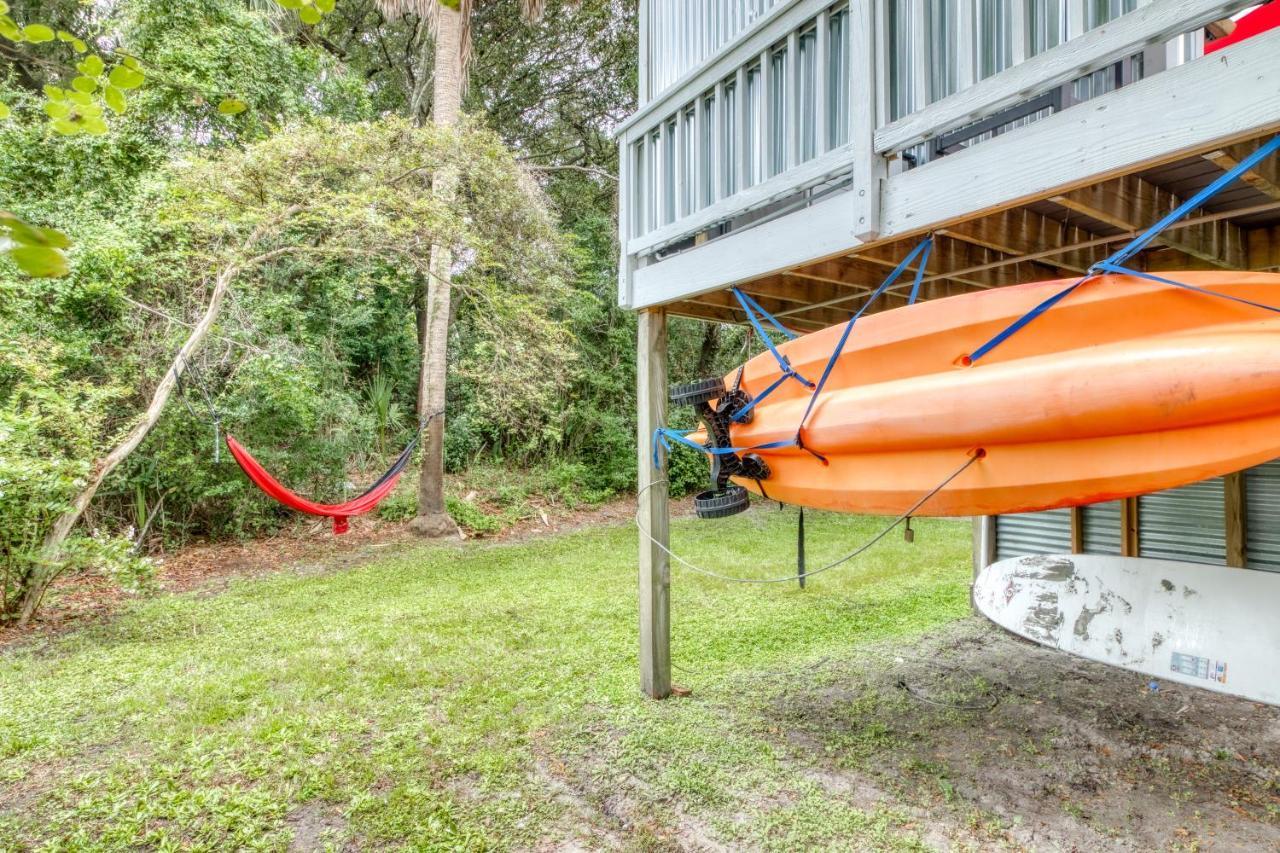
(462, 696)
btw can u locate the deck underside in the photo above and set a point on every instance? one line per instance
(1054, 237)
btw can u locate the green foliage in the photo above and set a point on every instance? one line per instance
(471, 518)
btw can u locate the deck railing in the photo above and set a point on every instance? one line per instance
(815, 93)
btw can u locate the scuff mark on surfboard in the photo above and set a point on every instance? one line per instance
(1045, 619)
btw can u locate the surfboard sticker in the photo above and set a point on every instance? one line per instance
(1205, 626)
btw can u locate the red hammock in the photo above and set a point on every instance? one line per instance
(338, 512)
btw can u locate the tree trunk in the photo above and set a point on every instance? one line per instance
(48, 565)
(710, 349)
(433, 519)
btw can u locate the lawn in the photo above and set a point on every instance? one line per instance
(468, 695)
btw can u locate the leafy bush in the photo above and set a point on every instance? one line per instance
(401, 505)
(471, 518)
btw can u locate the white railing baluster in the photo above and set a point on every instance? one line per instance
(719, 144)
(918, 36)
(699, 131)
(966, 45)
(1075, 19)
(791, 85)
(821, 74)
(1018, 23)
(764, 116)
(743, 115)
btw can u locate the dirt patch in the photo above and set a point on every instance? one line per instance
(315, 826)
(1000, 740)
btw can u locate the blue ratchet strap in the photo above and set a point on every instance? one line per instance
(1144, 239)
(924, 262)
(844, 336)
(1020, 323)
(750, 306)
(1115, 263)
(742, 413)
(1108, 266)
(662, 438)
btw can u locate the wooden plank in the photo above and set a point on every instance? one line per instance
(1077, 530)
(1129, 527)
(1264, 177)
(966, 45)
(767, 29)
(655, 569)
(1161, 20)
(719, 140)
(1236, 518)
(820, 317)
(1264, 248)
(1131, 202)
(732, 317)
(765, 118)
(867, 90)
(791, 85)
(1205, 103)
(813, 172)
(822, 55)
(1021, 232)
(626, 198)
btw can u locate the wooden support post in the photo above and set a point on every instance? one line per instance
(868, 90)
(984, 548)
(1235, 510)
(1129, 527)
(655, 568)
(1077, 530)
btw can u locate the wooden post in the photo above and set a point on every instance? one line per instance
(984, 548)
(1129, 527)
(867, 92)
(655, 568)
(1235, 509)
(1077, 530)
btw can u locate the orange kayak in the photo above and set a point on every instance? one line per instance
(1127, 386)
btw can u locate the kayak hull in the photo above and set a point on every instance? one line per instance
(1125, 387)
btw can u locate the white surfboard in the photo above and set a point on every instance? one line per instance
(1207, 626)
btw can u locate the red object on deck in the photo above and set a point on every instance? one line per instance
(1258, 21)
(338, 512)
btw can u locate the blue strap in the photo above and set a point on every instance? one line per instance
(1115, 263)
(1107, 266)
(750, 306)
(742, 413)
(1144, 239)
(923, 247)
(924, 262)
(1020, 323)
(662, 438)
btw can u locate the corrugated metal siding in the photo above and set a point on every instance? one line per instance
(1101, 528)
(1046, 532)
(1262, 517)
(1186, 523)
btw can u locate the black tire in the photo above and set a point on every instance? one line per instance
(693, 393)
(721, 503)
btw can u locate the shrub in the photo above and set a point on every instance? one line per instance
(471, 518)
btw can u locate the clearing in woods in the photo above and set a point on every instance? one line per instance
(476, 695)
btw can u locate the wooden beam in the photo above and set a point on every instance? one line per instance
(1131, 202)
(821, 316)
(1129, 544)
(1235, 512)
(1264, 177)
(1264, 248)
(1077, 530)
(655, 568)
(1019, 232)
(734, 316)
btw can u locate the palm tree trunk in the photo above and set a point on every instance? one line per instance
(433, 519)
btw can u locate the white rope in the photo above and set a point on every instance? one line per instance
(791, 578)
